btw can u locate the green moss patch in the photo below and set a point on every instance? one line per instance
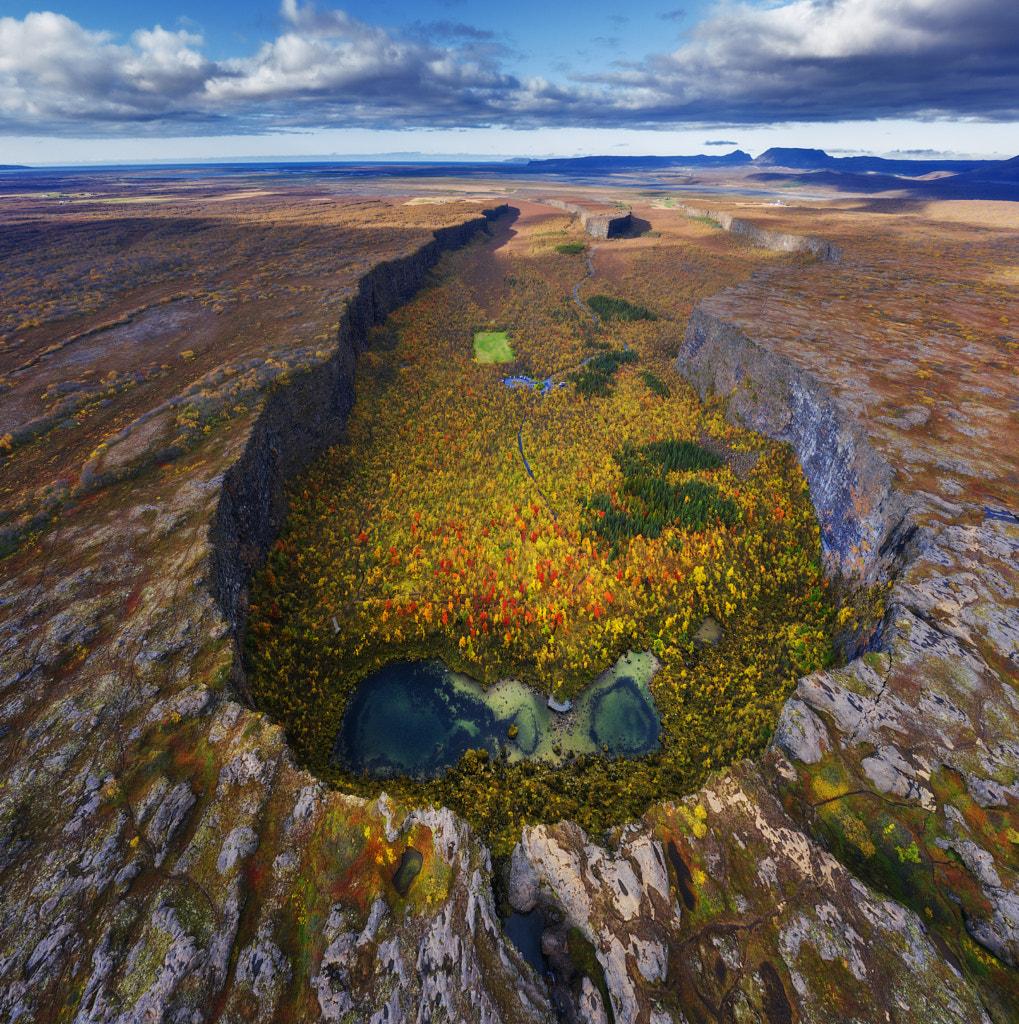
(655, 384)
(585, 960)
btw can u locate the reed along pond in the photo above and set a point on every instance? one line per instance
(418, 718)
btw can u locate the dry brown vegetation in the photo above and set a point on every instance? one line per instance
(917, 333)
(116, 306)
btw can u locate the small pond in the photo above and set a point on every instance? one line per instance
(418, 718)
(524, 931)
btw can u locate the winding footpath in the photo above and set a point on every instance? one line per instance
(530, 473)
(576, 287)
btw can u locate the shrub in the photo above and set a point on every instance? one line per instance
(609, 308)
(423, 536)
(655, 384)
(648, 502)
(595, 377)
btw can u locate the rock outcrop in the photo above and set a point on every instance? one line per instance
(598, 220)
(720, 908)
(307, 415)
(162, 857)
(905, 762)
(768, 238)
(864, 523)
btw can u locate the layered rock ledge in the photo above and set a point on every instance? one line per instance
(307, 415)
(769, 238)
(597, 219)
(163, 859)
(867, 867)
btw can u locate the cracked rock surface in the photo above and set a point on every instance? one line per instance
(741, 916)
(162, 857)
(905, 763)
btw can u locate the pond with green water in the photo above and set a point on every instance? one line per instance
(418, 718)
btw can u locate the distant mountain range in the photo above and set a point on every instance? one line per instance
(570, 165)
(997, 170)
(792, 159)
(777, 167)
(818, 159)
(924, 179)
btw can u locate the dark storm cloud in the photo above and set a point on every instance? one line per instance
(808, 60)
(823, 60)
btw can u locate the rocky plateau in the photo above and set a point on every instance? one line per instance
(163, 859)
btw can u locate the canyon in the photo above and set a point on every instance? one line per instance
(164, 859)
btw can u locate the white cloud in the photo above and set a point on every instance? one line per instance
(53, 71)
(165, 63)
(326, 68)
(48, 59)
(805, 60)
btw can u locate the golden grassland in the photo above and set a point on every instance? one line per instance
(424, 536)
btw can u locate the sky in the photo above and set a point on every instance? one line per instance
(110, 80)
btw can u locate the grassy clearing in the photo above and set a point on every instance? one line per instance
(492, 347)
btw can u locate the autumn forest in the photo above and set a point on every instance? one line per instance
(542, 530)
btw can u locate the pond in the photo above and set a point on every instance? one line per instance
(418, 718)
(524, 931)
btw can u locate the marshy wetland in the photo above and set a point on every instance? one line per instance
(528, 539)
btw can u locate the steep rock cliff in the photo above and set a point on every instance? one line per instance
(598, 221)
(864, 522)
(305, 415)
(768, 238)
(163, 859)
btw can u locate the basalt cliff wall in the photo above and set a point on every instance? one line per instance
(863, 519)
(598, 222)
(769, 238)
(306, 414)
(856, 871)
(163, 859)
